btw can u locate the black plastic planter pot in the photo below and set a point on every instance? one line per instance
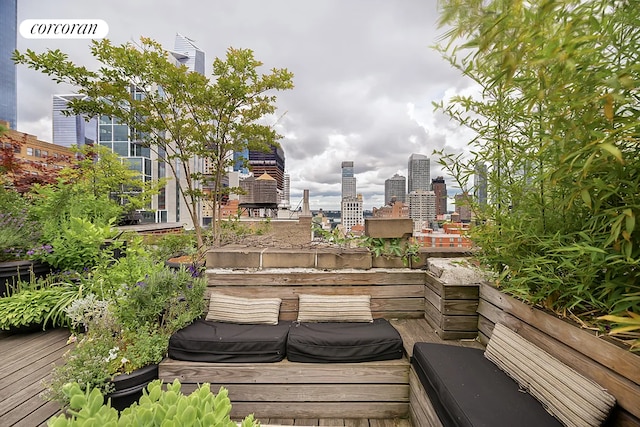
(129, 386)
(13, 271)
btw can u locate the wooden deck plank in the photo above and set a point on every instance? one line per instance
(35, 372)
(21, 392)
(19, 355)
(280, 421)
(309, 392)
(312, 277)
(385, 372)
(336, 422)
(308, 410)
(46, 411)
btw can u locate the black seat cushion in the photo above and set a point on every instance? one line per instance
(466, 389)
(343, 342)
(210, 341)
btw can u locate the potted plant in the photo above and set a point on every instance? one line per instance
(156, 407)
(124, 332)
(18, 235)
(38, 304)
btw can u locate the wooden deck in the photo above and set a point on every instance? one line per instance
(28, 358)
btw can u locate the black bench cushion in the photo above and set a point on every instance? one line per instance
(343, 342)
(210, 341)
(466, 389)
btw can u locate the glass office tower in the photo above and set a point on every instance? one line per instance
(8, 43)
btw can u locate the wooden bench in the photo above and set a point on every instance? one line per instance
(470, 387)
(312, 390)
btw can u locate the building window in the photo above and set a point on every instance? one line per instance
(38, 152)
(29, 151)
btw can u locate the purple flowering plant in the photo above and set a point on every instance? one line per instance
(18, 235)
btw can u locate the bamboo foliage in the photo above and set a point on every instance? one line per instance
(558, 127)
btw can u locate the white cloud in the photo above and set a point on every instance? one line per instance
(364, 75)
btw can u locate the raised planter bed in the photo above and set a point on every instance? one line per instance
(451, 307)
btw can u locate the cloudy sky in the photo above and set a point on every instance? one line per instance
(365, 76)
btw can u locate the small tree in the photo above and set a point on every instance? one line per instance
(13, 169)
(181, 115)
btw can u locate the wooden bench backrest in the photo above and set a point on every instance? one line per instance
(394, 294)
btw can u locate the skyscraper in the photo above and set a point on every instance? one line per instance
(351, 212)
(8, 43)
(348, 180)
(463, 206)
(395, 189)
(422, 208)
(271, 162)
(480, 183)
(72, 130)
(285, 202)
(419, 172)
(440, 189)
(186, 52)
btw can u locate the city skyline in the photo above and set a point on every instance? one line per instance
(364, 74)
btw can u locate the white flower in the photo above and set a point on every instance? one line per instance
(113, 353)
(124, 360)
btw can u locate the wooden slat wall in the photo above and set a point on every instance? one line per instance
(395, 293)
(451, 308)
(303, 390)
(421, 410)
(614, 368)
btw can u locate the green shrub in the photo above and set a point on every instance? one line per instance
(157, 407)
(556, 136)
(41, 306)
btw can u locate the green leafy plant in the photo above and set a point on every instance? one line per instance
(18, 232)
(43, 305)
(556, 131)
(157, 407)
(627, 326)
(402, 248)
(171, 245)
(79, 245)
(128, 328)
(168, 298)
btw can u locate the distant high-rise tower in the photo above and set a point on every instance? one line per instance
(422, 208)
(480, 183)
(440, 189)
(463, 206)
(8, 43)
(351, 212)
(271, 162)
(240, 159)
(395, 189)
(348, 180)
(286, 194)
(419, 172)
(186, 52)
(72, 130)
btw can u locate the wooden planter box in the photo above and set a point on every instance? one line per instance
(450, 308)
(615, 368)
